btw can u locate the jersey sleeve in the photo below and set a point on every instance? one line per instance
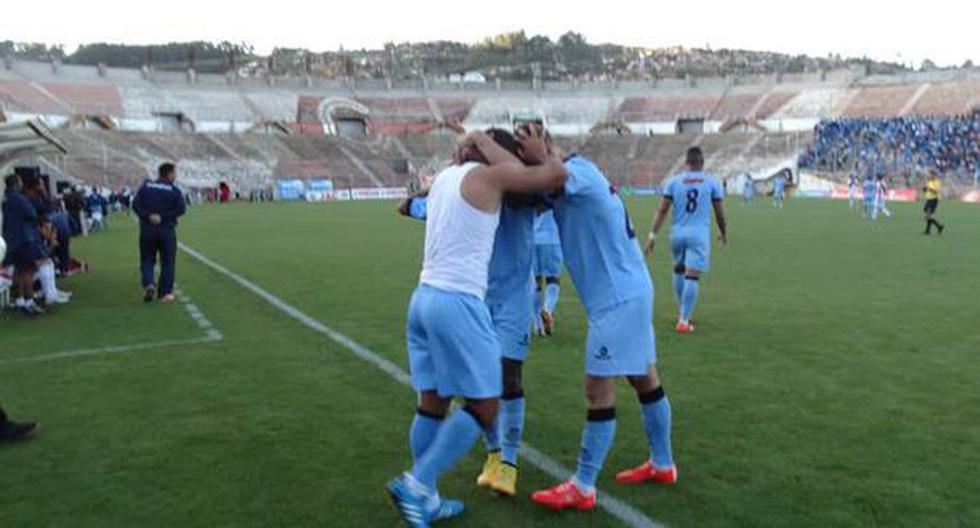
(669, 189)
(417, 208)
(717, 193)
(576, 183)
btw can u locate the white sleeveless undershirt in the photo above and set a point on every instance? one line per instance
(458, 236)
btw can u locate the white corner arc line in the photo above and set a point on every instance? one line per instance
(624, 512)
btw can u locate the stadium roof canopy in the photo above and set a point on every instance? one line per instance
(29, 137)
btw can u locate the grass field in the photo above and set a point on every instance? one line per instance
(834, 380)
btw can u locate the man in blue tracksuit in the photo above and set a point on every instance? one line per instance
(158, 204)
(24, 244)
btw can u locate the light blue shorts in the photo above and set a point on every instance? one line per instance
(692, 249)
(621, 339)
(511, 315)
(548, 260)
(452, 346)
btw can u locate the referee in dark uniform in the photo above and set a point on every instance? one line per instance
(158, 204)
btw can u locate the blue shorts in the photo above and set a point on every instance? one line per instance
(547, 260)
(452, 347)
(25, 256)
(691, 249)
(621, 341)
(511, 314)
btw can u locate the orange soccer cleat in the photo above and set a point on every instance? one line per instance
(647, 472)
(564, 496)
(684, 328)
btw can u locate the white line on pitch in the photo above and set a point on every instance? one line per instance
(211, 334)
(210, 338)
(619, 509)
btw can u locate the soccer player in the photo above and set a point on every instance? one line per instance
(869, 189)
(547, 269)
(159, 204)
(881, 196)
(20, 231)
(610, 275)
(508, 298)
(852, 190)
(779, 191)
(692, 194)
(931, 190)
(747, 189)
(452, 348)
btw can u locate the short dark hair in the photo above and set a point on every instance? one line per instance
(166, 169)
(11, 180)
(505, 139)
(501, 137)
(695, 157)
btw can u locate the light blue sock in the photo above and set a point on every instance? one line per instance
(690, 297)
(491, 436)
(597, 438)
(656, 424)
(679, 288)
(453, 440)
(424, 429)
(551, 291)
(512, 428)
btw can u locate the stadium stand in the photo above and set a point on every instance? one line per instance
(896, 146)
(880, 101)
(249, 131)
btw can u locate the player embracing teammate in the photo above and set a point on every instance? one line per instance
(459, 355)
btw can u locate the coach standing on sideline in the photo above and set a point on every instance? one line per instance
(158, 204)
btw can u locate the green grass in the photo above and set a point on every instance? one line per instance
(833, 380)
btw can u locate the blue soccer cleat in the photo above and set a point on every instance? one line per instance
(410, 499)
(448, 508)
(413, 500)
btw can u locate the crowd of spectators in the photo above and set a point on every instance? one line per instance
(900, 146)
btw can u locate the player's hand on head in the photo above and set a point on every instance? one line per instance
(533, 145)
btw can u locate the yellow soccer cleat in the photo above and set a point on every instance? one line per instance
(506, 481)
(491, 467)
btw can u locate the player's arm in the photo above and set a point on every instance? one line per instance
(506, 173)
(721, 221)
(658, 221)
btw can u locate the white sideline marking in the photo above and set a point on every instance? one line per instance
(619, 509)
(211, 334)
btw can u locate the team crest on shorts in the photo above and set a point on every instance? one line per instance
(603, 353)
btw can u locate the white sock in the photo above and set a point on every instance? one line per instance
(47, 280)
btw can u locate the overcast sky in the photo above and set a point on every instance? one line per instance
(943, 30)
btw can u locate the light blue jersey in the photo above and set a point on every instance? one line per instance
(545, 228)
(747, 188)
(779, 187)
(869, 190)
(692, 194)
(509, 281)
(597, 239)
(609, 272)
